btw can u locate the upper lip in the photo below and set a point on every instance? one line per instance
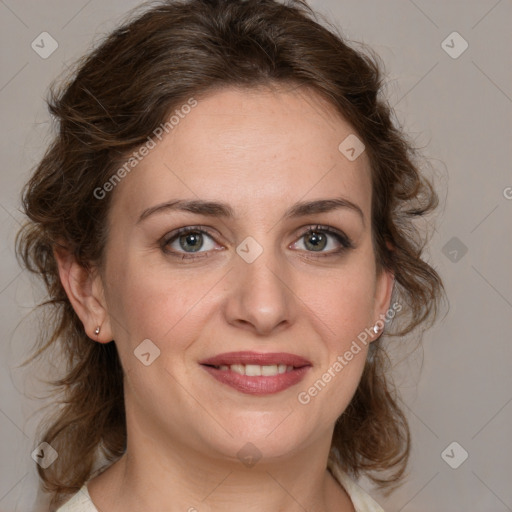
(258, 358)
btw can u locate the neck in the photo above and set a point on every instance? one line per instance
(160, 470)
(147, 478)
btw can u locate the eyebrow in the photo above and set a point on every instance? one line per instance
(218, 209)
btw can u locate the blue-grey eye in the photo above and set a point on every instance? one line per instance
(190, 241)
(322, 240)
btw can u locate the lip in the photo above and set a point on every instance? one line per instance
(257, 385)
(260, 358)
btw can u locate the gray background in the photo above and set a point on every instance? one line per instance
(459, 387)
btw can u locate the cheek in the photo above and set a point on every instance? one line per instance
(345, 314)
(344, 303)
(155, 304)
(138, 303)
(344, 307)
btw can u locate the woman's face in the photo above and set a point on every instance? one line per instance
(251, 282)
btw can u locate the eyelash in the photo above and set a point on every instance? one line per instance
(344, 240)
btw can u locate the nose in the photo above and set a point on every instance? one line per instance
(260, 297)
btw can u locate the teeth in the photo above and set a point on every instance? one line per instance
(269, 370)
(256, 370)
(238, 368)
(253, 370)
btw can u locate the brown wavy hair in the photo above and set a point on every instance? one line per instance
(117, 95)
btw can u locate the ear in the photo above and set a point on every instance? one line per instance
(383, 291)
(84, 289)
(382, 298)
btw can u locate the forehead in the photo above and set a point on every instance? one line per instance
(259, 148)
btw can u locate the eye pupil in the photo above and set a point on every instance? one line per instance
(195, 241)
(316, 241)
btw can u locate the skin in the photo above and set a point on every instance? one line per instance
(260, 151)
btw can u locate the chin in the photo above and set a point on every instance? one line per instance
(262, 435)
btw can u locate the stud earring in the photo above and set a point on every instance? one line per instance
(97, 330)
(375, 329)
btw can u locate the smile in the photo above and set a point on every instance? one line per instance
(255, 370)
(257, 373)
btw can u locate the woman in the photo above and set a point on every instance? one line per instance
(224, 222)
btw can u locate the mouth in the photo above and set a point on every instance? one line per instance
(257, 373)
(255, 370)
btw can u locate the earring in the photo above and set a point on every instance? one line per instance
(97, 330)
(375, 329)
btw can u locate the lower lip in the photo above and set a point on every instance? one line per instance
(258, 385)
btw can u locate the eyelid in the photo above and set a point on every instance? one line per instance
(186, 229)
(328, 229)
(171, 236)
(342, 238)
